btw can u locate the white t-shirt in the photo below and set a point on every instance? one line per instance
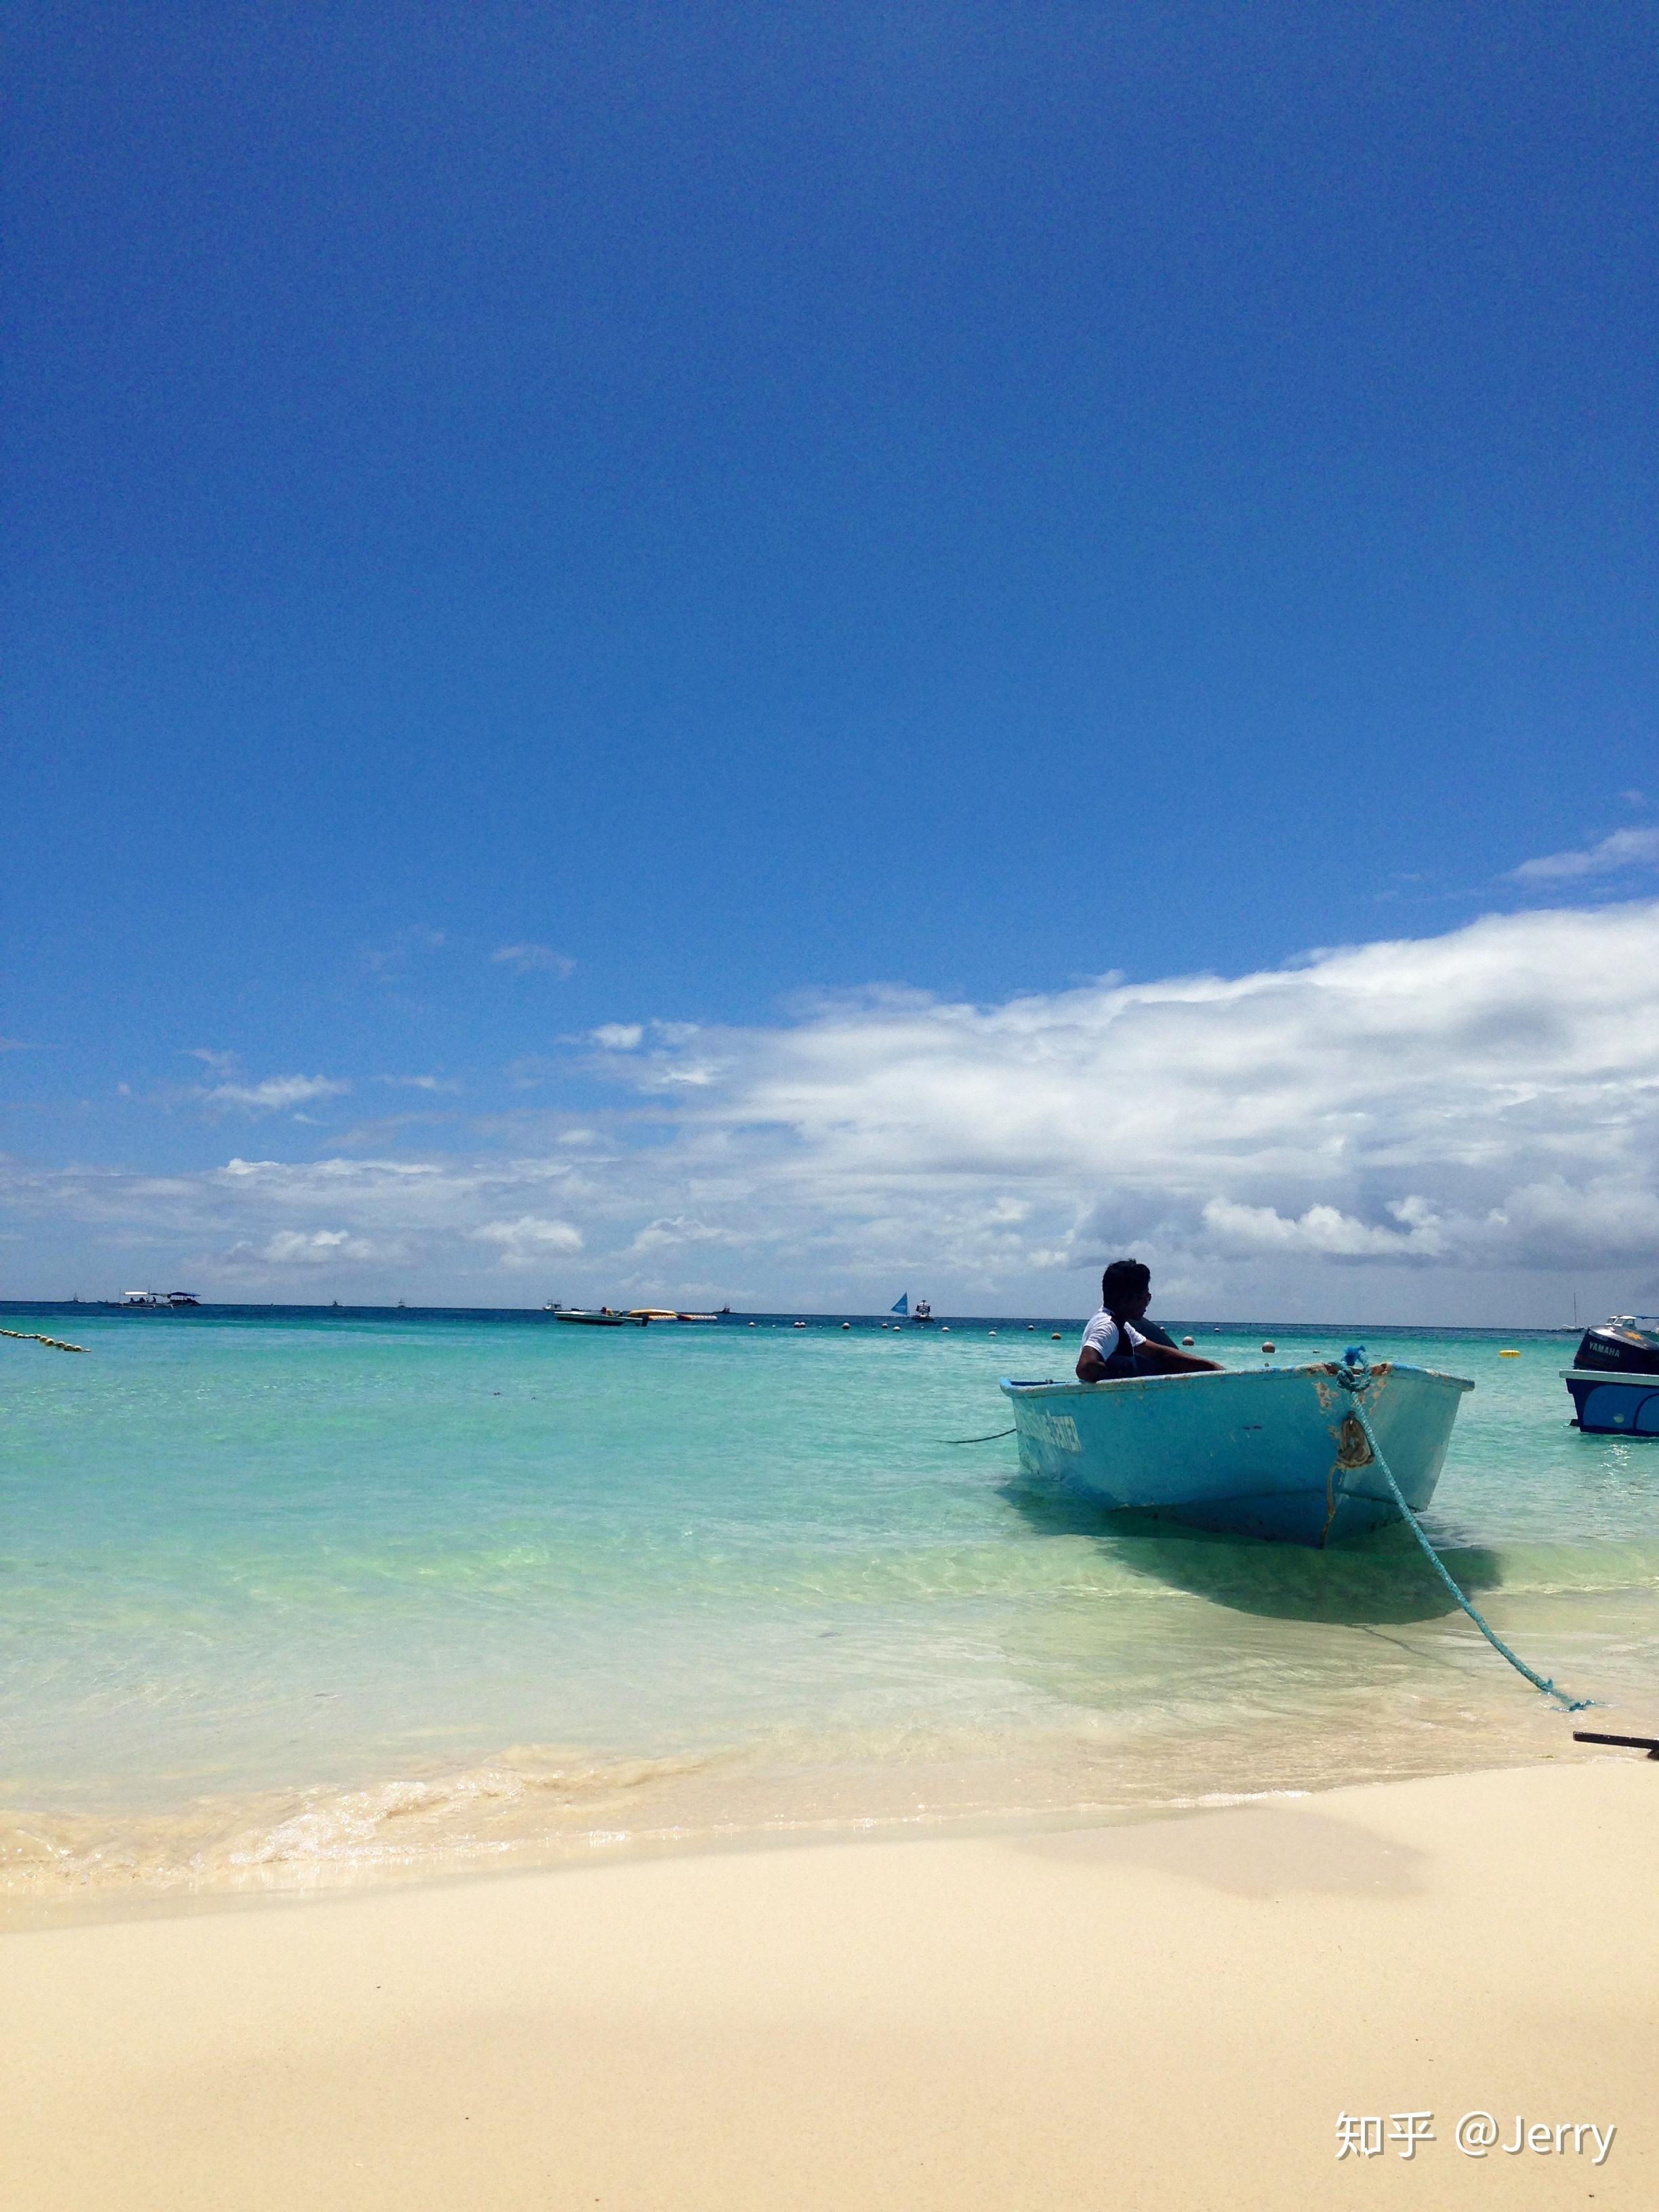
(1102, 1333)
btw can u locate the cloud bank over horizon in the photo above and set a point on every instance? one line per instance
(1421, 1128)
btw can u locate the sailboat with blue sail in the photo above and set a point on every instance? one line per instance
(902, 1309)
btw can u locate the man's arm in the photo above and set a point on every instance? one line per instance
(1150, 1359)
(1166, 1358)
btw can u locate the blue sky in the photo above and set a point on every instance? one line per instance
(758, 508)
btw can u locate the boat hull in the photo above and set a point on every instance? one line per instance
(1614, 1405)
(1275, 1454)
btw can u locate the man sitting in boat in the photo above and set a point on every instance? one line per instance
(1113, 1345)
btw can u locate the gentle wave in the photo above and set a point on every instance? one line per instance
(536, 1805)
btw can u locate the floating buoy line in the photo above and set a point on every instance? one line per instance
(28, 1336)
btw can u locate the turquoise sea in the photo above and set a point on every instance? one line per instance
(292, 1598)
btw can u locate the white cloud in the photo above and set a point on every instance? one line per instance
(1412, 1109)
(529, 1240)
(1624, 848)
(419, 1082)
(619, 1036)
(671, 1230)
(531, 959)
(1560, 1223)
(319, 1248)
(1323, 1232)
(386, 960)
(274, 1093)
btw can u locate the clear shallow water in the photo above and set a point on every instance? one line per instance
(296, 1598)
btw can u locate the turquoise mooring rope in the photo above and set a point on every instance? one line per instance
(1353, 1375)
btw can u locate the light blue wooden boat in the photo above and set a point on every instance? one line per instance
(1275, 1452)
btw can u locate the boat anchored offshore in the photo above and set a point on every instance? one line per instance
(1272, 1452)
(603, 1318)
(1613, 1381)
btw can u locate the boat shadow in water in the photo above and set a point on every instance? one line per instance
(1367, 1582)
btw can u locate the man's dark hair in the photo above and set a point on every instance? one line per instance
(1124, 1281)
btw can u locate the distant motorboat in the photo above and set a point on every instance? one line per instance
(1613, 1381)
(156, 1301)
(1272, 1452)
(603, 1318)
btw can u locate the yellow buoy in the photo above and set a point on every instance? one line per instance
(1509, 1355)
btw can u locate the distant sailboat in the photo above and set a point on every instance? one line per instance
(903, 1306)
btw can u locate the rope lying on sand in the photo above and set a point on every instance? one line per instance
(27, 1336)
(1353, 1375)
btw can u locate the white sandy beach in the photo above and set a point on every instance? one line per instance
(1166, 2014)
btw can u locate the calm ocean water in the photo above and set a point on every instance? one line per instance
(294, 1598)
